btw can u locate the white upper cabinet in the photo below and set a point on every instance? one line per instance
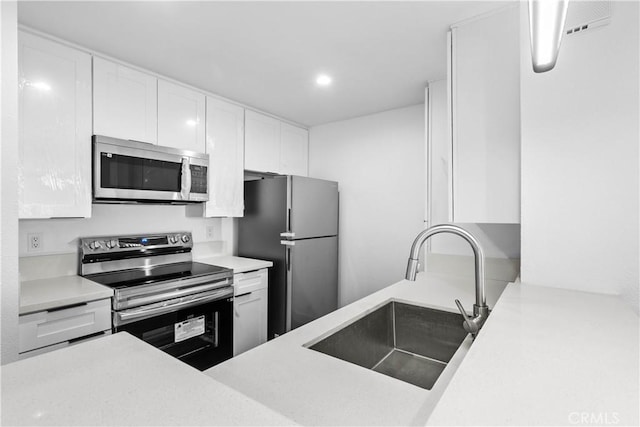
(181, 117)
(485, 85)
(54, 178)
(262, 143)
(225, 146)
(125, 102)
(294, 150)
(274, 146)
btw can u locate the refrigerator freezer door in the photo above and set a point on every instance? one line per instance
(313, 279)
(314, 207)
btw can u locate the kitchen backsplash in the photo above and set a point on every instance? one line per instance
(60, 236)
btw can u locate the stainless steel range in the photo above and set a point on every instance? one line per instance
(184, 308)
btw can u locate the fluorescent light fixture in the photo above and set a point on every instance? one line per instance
(45, 87)
(546, 25)
(191, 122)
(323, 80)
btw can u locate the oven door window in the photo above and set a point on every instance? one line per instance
(200, 336)
(136, 173)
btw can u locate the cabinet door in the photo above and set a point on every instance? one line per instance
(225, 146)
(250, 324)
(294, 150)
(54, 178)
(125, 102)
(250, 310)
(262, 143)
(485, 73)
(181, 121)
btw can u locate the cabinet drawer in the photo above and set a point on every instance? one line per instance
(250, 281)
(51, 327)
(49, 348)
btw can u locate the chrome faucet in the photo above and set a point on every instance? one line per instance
(480, 309)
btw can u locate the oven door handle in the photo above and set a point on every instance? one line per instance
(175, 294)
(128, 316)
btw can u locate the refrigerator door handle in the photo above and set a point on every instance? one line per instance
(288, 259)
(289, 234)
(287, 242)
(289, 290)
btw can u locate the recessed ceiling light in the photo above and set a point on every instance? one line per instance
(323, 80)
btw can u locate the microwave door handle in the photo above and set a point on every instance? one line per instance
(185, 188)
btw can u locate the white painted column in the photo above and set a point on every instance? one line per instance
(9, 280)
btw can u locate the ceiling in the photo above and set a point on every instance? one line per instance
(267, 55)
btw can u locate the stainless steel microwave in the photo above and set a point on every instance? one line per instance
(131, 171)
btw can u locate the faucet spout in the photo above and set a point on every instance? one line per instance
(480, 308)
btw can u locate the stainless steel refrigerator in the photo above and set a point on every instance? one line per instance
(293, 222)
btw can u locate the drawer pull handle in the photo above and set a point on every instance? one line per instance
(53, 310)
(243, 295)
(86, 337)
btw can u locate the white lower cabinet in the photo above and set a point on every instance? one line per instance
(250, 310)
(60, 327)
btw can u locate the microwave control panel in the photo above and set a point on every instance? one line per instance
(198, 179)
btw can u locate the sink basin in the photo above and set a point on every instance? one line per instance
(406, 342)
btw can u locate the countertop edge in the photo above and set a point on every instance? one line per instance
(235, 263)
(56, 292)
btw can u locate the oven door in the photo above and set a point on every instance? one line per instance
(200, 335)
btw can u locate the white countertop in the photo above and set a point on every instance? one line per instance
(120, 380)
(44, 294)
(546, 356)
(312, 388)
(549, 356)
(237, 264)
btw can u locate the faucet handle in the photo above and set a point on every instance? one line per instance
(469, 325)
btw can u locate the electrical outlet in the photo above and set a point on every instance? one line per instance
(34, 242)
(210, 230)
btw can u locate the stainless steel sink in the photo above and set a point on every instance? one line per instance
(407, 342)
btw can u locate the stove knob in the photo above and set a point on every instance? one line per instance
(186, 238)
(95, 245)
(174, 239)
(112, 244)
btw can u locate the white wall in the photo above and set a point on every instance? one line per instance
(378, 161)
(580, 165)
(8, 181)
